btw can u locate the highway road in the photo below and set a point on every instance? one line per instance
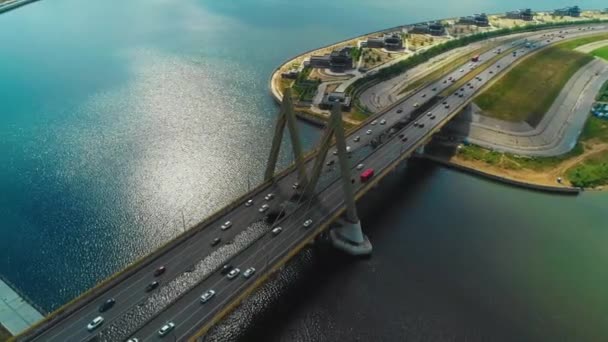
(193, 266)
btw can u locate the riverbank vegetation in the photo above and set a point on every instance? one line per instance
(5, 335)
(585, 166)
(603, 94)
(528, 90)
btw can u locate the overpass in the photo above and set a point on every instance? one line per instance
(326, 195)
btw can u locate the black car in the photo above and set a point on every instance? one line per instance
(107, 305)
(216, 241)
(226, 269)
(152, 286)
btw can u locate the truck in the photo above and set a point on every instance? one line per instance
(475, 58)
(366, 175)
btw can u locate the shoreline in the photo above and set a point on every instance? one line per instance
(502, 178)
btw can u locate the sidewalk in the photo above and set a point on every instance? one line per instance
(16, 315)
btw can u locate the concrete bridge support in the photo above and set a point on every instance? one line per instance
(349, 236)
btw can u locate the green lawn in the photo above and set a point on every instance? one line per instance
(527, 91)
(601, 52)
(595, 128)
(590, 173)
(573, 44)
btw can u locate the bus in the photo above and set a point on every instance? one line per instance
(475, 58)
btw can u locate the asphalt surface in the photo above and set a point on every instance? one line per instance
(263, 251)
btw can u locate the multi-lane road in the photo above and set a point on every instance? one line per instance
(192, 267)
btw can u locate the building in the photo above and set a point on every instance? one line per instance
(338, 60)
(435, 28)
(391, 41)
(522, 14)
(475, 19)
(573, 11)
(331, 98)
(290, 74)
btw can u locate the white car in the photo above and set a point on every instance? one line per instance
(295, 185)
(226, 225)
(249, 272)
(461, 70)
(429, 114)
(96, 322)
(357, 138)
(360, 167)
(307, 223)
(276, 231)
(207, 295)
(249, 203)
(416, 105)
(234, 273)
(269, 196)
(373, 123)
(263, 208)
(335, 153)
(348, 149)
(369, 131)
(383, 122)
(165, 329)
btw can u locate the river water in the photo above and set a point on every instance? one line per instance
(121, 122)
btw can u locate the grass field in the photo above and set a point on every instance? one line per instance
(603, 94)
(595, 128)
(4, 334)
(527, 91)
(601, 52)
(592, 172)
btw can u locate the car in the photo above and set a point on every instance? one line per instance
(263, 208)
(269, 196)
(373, 123)
(404, 139)
(416, 123)
(307, 223)
(368, 132)
(491, 72)
(226, 269)
(357, 138)
(429, 113)
(133, 339)
(421, 125)
(433, 117)
(216, 241)
(461, 89)
(160, 270)
(461, 95)
(416, 105)
(423, 95)
(249, 203)
(360, 166)
(348, 149)
(95, 323)
(461, 70)
(498, 65)
(233, 273)
(445, 102)
(207, 295)
(383, 122)
(399, 110)
(447, 106)
(335, 153)
(152, 286)
(276, 231)
(434, 89)
(107, 305)
(226, 225)
(330, 162)
(249, 272)
(165, 329)
(445, 81)
(295, 185)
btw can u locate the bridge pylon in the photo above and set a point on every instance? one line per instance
(287, 117)
(349, 236)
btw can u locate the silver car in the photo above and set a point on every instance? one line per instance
(207, 295)
(383, 122)
(307, 223)
(373, 123)
(360, 167)
(249, 203)
(226, 225)
(269, 196)
(263, 208)
(234, 273)
(165, 329)
(95, 323)
(249, 272)
(277, 231)
(369, 131)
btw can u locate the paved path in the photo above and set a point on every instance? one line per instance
(16, 315)
(557, 132)
(592, 46)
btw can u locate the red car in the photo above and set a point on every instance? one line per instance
(160, 271)
(366, 175)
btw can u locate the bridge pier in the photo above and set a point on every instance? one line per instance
(349, 238)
